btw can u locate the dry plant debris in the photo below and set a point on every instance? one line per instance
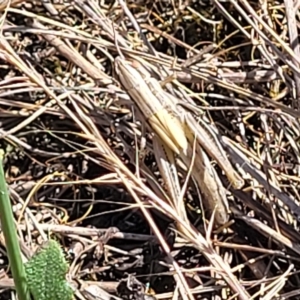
(86, 165)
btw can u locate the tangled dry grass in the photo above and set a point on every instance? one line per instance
(73, 141)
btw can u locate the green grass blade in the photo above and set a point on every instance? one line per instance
(11, 238)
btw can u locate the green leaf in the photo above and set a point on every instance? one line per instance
(46, 274)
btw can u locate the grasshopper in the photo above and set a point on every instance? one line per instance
(177, 131)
